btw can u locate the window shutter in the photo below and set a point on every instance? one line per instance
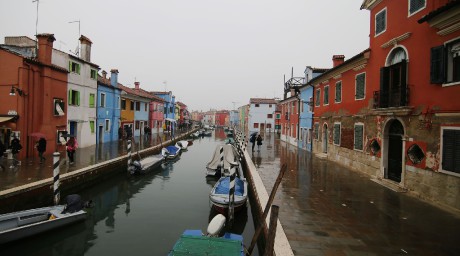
(451, 150)
(338, 92)
(91, 100)
(384, 86)
(360, 86)
(336, 134)
(78, 68)
(404, 93)
(70, 66)
(70, 97)
(78, 98)
(359, 137)
(326, 95)
(437, 67)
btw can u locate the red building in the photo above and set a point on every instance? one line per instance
(40, 95)
(392, 110)
(222, 118)
(289, 121)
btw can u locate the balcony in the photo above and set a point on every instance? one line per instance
(392, 103)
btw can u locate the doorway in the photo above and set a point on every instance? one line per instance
(395, 151)
(101, 134)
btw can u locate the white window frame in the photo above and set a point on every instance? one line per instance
(107, 125)
(118, 102)
(441, 153)
(408, 8)
(356, 86)
(356, 149)
(103, 99)
(375, 22)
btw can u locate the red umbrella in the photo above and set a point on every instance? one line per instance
(37, 135)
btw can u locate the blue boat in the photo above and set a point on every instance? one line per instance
(219, 196)
(170, 152)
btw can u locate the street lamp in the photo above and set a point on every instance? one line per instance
(15, 89)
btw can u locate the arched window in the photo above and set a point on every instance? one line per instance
(396, 56)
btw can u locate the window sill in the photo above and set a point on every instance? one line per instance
(451, 84)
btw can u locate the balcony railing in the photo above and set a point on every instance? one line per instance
(384, 99)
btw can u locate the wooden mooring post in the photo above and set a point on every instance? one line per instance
(267, 208)
(272, 231)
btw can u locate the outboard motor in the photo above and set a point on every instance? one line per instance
(75, 204)
(134, 167)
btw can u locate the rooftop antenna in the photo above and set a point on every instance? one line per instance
(77, 51)
(36, 26)
(165, 83)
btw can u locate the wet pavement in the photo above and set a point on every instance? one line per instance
(31, 170)
(327, 209)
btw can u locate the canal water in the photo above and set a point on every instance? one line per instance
(142, 215)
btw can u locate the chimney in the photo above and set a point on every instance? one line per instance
(45, 48)
(136, 85)
(337, 60)
(104, 74)
(85, 48)
(114, 77)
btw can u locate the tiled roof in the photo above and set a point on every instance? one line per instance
(262, 101)
(140, 93)
(320, 70)
(160, 93)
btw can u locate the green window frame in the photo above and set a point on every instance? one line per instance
(74, 98)
(360, 86)
(92, 101)
(336, 134)
(74, 67)
(359, 137)
(91, 126)
(93, 74)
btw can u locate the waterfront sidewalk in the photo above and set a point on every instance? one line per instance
(327, 209)
(31, 170)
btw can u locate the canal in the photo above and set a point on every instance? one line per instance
(142, 215)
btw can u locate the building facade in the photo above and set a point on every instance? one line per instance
(108, 107)
(261, 115)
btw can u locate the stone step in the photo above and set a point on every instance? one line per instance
(390, 184)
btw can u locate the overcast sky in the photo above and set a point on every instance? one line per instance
(209, 53)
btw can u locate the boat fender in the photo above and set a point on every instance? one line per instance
(216, 225)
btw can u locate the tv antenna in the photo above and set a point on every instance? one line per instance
(36, 26)
(77, 51)
(165, 83)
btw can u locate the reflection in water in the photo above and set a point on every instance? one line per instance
(141, 212)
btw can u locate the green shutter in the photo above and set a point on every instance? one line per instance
(326, 95)
(336, 134)
(70, 97)
(359, 137)
(437, 67)
(70, 66)
(451, 150)
(78, 98)
(78, 68)
(91, 100)
(360, 83)
(338, 92)
(91, 126)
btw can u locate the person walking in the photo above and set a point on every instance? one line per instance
(2, 152)
(259, 142)
(252, 139)
(71, 148)
(15, 148)
(41, 148)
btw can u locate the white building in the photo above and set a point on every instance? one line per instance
(261, 115)
(81, 92)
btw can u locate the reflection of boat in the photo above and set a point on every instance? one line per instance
(230, 159)
(18, 225)
(219, 196)
(144, 165)
(206, 133)
(195, 134)
(182, 144)
(193, 242)
(170, 152)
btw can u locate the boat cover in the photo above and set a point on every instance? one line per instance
(224, 185)
(230, 157)
(172, 149)
(203, 245)
(74, 204)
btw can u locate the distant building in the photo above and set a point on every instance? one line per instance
(109, 107)
(260, 116)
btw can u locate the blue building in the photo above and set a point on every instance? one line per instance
(306, 108)
(169, 110)
(108, 107)
(234, 118)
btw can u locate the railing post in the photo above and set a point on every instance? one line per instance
(56, 192)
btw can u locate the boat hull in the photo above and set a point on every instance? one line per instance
(19, 225)
(220, 199)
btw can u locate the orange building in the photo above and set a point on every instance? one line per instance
(37, 107)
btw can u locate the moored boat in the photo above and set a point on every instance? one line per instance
(182, 144)
(226, 153)
(22, 224)
(220, 198)
(145, 165)
(194, 242)
(170, 152)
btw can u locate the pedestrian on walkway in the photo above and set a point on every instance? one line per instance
(2, 151)
(72, 146)
(15, 148)
(41, 148)
(252, 139)
(259, 142)
(120, 133)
